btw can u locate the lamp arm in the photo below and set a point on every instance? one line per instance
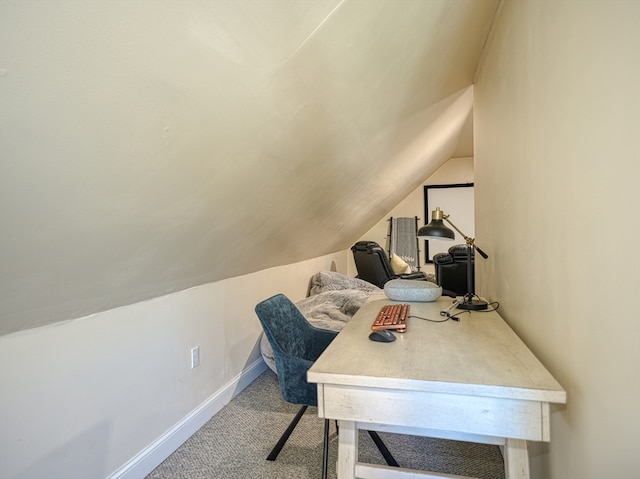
(470, 241)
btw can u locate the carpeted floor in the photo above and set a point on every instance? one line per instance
(236, 441)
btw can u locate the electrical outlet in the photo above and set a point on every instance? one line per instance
(195, 357)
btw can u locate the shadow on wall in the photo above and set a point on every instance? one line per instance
(249, 363)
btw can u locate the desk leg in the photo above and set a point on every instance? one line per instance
(347, 450)
(516, 459)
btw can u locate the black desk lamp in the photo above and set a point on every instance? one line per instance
(436, 230)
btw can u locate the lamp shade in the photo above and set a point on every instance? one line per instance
(436, 229)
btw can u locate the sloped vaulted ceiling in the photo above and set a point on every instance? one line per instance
(150, 146)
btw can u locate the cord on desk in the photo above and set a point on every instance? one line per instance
(494, 305)
(453, 317)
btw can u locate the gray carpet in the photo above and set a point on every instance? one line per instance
(236, 441)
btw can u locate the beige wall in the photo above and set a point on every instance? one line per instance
(113, 392)
(556, 147)
(84, 398)
(149, 147)
(557, 158)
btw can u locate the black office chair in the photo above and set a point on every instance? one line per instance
(296, 345)
(373, 264)
(451, 270)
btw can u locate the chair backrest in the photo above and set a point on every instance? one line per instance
(296, 344)
(451, 269)
(372, 263)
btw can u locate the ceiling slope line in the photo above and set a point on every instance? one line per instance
(312, 34)
(495, 16)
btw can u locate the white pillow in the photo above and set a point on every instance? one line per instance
(398, 265)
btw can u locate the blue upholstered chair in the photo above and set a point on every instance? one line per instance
(296, 345)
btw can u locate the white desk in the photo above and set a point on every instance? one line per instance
(472, 380)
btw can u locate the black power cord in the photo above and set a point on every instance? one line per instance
(454, 317)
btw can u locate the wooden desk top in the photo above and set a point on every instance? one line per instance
(477, 356)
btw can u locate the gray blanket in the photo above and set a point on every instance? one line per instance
(333, 299)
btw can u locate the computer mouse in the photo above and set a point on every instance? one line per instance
(382, 336)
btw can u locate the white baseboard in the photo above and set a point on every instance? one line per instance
(151, 456)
